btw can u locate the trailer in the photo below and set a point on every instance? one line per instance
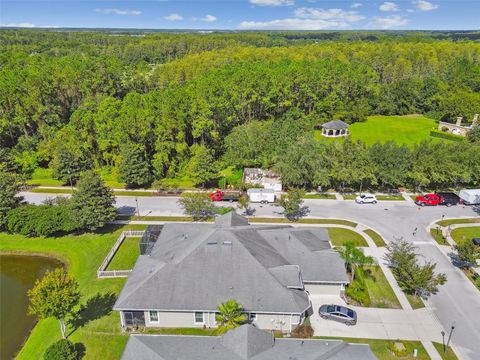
(263, 196)
(470, 196)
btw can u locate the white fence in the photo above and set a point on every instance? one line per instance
(101, 272)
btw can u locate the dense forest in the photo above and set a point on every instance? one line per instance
(150, 107)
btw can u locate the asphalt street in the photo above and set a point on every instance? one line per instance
(457, 303)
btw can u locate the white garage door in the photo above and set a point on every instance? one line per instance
(323, 289)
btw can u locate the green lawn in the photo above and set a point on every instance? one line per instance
(44, 177)
(126, 255)
(415, 301)
(395, 197)
(377, 239)
(448, 354)
(381, 348)
(437, 236)
(465, 234)
(380, 291)
(101, 333)
(339, 236)
(68, 190)
(320, 196)
(459, 221)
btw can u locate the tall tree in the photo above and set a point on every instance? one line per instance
(93, 202)
(68, 165)
(292, 204)
(353, 257)
(201, 167)
(197, 204)
(230, 315)
(134, 169)
(55, 295)
(9, 186)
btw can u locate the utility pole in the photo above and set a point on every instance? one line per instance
(138, 209)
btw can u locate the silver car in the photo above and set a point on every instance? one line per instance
(339, 313)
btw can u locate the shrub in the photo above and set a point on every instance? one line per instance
(61, 350)
(303, 331)
(222, 210)
(42, 220)
(398, 348)
(358, 291)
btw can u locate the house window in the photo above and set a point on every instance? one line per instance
(199, 318)
(153, 315)
(253, 316)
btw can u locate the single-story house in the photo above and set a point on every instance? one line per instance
(242, 343)
(260, 177)
(193, 267)
(335, 128)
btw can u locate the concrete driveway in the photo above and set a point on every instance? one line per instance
(377, 323)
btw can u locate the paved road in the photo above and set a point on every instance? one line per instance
(457, 302)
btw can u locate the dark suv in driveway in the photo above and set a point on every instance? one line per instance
(448, 198)
(339, 313)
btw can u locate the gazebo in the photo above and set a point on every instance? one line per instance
(335, 128)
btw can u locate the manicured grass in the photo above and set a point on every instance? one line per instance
(340, 236)
(320, 196)
(465, 234)
(438, 237)
(380, 291)
(459, 221)
(101, 334)
(377, 239)
(406, 130)
(302, 221)
(69, 191)
(448, 354)
(51, 191)
(381, 348)
(415, 301)
(44, 177)
(126, 255)
(133, 193)
(349, 196)
(182, 331)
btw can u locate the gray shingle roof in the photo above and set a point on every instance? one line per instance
(335, 125)
(243, 343)
(197, 266)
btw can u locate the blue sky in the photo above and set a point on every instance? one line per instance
(244, 14)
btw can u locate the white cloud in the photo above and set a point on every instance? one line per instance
(272, 2)
(119, 12)
(356, 5)
(424, 5)
(27, 25)
(388, 6)
(209, 18)
(173, 17)
(387, 22)
(328, 14)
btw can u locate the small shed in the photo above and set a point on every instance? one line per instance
(335, 128)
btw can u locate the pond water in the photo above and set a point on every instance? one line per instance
(18, 274)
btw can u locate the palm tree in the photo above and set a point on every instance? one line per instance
(353, 257)
(230, 315)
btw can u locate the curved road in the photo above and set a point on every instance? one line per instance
(458, 301)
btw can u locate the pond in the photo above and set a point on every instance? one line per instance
(18, 274)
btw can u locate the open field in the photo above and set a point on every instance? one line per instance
(404, 130)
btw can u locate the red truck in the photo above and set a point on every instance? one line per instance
(220, 195)
(440, 198)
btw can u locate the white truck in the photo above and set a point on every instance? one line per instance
(263, 196)
(470, 196)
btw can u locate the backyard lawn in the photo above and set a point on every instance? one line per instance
(98, 327)
(340, 236)
(126, 254)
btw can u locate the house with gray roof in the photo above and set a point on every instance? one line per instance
(243, 343)
(335, 128)
(193, 267)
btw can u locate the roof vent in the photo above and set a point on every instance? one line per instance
(227, 243)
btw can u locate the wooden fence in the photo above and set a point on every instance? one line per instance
(102, 272)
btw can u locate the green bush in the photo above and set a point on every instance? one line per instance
(357, 290)
(61, 350)
(446, 135)
(42, 220)
(398, 348)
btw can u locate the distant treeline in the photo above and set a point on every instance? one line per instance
(79, 100)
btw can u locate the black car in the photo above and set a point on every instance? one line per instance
(476, 241)
(339, 313)
(448, 198)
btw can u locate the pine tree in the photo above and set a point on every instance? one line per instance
(93, 202)
(133, 168)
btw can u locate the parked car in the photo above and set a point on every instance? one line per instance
(339, 313)
(476, 241)
(448, 198)
(220, 195)
(441, 198)
(366, 199)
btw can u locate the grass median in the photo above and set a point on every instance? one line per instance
(377, 239)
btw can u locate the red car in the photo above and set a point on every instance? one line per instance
(428, 200)
(220, 195)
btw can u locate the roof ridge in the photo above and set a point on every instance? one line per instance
(333, 351)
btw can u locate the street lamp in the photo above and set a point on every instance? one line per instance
(450, 335)
(443, 341)
(138, 209)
